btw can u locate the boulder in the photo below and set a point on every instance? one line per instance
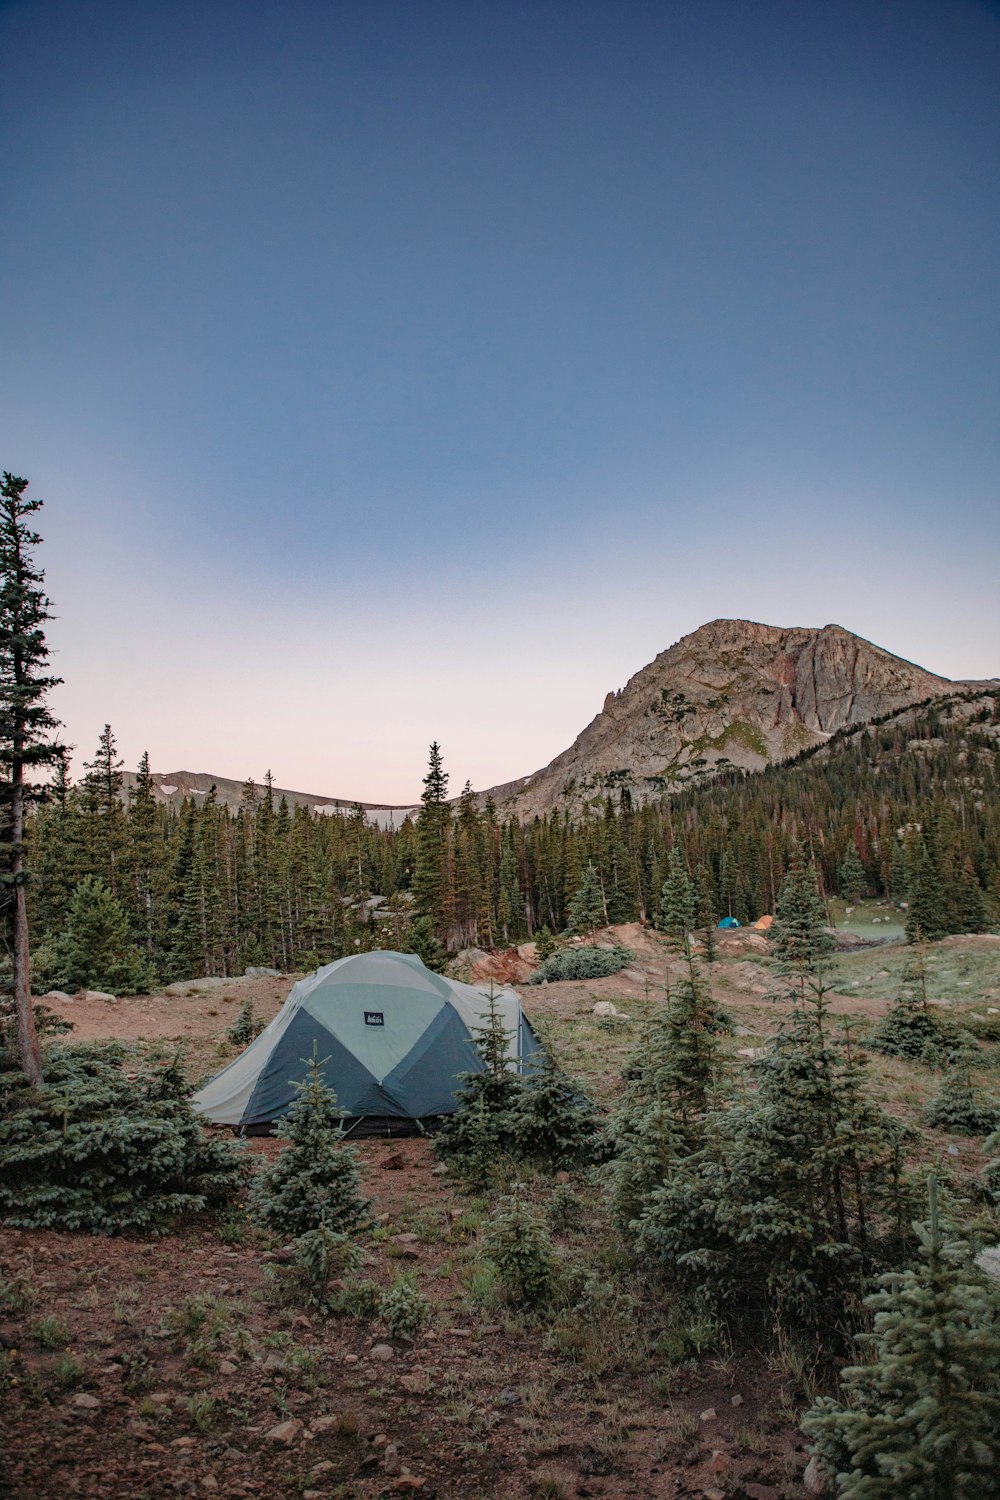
(261, 971)
(60, 995)
(383, 1353)
(609, 1011)
(390, 1459)
(100, 995)
(285, 1433)
(988, 1261)
(815, 1480)
(86, 1402)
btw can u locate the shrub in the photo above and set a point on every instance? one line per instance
(554, 1124)
(517, 1245)
(962, 1109)
(922, 1418)
(319, 1257)
(246, 1028)
(404, 1308)
(481, 1131)
(583, 963)
(911, 1030)
(92, 1150)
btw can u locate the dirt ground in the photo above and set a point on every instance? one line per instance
(144, 1369)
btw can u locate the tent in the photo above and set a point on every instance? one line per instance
(392, 1037)
(729, 922)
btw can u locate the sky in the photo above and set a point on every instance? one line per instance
(398, 370)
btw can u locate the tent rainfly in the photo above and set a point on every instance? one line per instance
(392, 1038)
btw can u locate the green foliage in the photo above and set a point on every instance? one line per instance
(921, 1418)
(678, 900)
(313, 1183)
(784, 1201)
(517, 1244)
(670, 1081)
(962, 1109)
(96, 950)
(481, 1130)
(554, 1124)
(798, 934)
(545, 944)
(404, 1309)
(852, 875)
(583, 963)
(319, 1257)
(587, 910)
(246, 1028)
(95, 1151)
(910, 1029)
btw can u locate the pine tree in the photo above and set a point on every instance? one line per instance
(96, 950)
(586, 910)
(482, 1127)
(798, 934)
(962, 1109)
(142, 858)
(921, 1421)
(26, 734)
(430, 881)
(102, 796)
(795, 1192)
(554, 1123)
(852, 875)
(313, 1183)
(678, 900)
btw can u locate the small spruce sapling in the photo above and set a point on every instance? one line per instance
(517, 1244)
(554, 1123)
(246, 1028)
(481, 1129)
(313, 1183)
(921, 1420)
(587, 910)
(962, 1109)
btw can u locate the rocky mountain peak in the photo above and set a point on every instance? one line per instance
(732, 693)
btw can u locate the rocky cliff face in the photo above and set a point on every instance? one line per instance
(733, 693)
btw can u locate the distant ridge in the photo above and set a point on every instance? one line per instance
(173, 787)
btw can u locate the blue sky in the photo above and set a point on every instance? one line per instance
(395, 370)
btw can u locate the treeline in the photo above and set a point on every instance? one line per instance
(896, 811)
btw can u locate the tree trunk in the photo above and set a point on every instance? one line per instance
(28, 1051)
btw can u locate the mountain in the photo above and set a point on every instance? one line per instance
(732, 693)
(172, 787)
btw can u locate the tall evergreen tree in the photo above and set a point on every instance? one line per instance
(798, 935)
(430, 874)
(586, 910)
(102, 795)
(678, 900)
(27, 730)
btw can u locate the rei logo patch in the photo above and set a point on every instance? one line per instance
(374, 1018)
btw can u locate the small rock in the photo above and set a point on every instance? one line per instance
(318, 1470)
(274, 1362)
(394, 1163)
(160, 1398)
(736, 1400)
(322, 1424)
(226, 1367)
(563, 1177)
(814, 1480)
(383, 1352)
(406, 1239)
(183, 1442)
(709, 1414)
(391, 1460)
(440, 1170)
(720, 1462)
(210, 1483)
(380, 1439)
(285, 1432)
(761, 1492)
(411, 1482)
(714, 1494)
(350, 1359)
(85, 1402)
